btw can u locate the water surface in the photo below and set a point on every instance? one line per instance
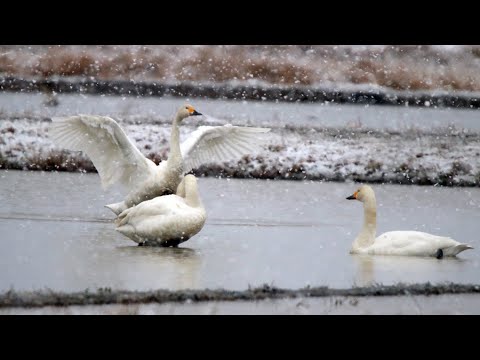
(240, 112)
(55, 233)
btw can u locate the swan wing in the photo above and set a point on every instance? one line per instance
(160, 206)
(412, 242)
(114, 155)
(220, 143)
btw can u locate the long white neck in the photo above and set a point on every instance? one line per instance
(192, 197)
(369, 228)
(175, 159)
(181, 188)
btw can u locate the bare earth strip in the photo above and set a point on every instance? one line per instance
(264, 299)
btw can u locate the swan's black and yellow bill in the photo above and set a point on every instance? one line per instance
(353, 197)
(192, 111)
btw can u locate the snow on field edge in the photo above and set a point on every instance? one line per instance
(409, 157)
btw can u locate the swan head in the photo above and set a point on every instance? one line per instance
(190, 181)
(362, 194)
(186, 111)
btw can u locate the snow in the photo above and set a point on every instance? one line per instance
(425, 67)
(410, 156)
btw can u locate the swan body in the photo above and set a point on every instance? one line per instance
(409, 243)
(118, 160)
(165, 220)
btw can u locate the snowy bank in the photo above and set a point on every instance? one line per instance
(442, 156)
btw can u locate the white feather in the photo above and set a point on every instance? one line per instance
(165, 219)
(220, 144)
(115, 157)
(407, 243)
(414, 243)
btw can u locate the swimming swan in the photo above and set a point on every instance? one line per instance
(165, 220)
(410, 243)
(117, 159)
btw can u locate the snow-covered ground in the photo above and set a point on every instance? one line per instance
(415, 156)
(307, 141)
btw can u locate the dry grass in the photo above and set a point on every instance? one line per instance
(64, 63)
(59, 161)
(236, 63)
(7, 65)
(397, 67)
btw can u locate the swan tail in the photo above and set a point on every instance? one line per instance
(122, 218)
(462, 247)
(117, 208)
(127, 230)
(454, 250)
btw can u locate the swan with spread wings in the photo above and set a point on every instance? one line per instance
(118, 160)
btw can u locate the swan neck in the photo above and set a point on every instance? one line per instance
(369, 228)
(192, 197)
(181, 189)
(175, 154)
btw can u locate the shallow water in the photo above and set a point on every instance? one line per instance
(55, 233)
(240, 112)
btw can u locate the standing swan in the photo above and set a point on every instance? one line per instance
(166, 220)
(410, 243)
(117, 159)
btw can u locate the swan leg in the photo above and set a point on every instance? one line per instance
(439, 254)
(172, 243)
(168, 243)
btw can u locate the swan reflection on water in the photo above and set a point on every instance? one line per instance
(163, 267)
(159, 252)
(372, 270)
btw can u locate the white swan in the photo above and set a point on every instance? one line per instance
(165, 220)
(117, 159)
(411, 243)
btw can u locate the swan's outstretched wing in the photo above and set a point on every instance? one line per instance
(115, 157)
(220, 143)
